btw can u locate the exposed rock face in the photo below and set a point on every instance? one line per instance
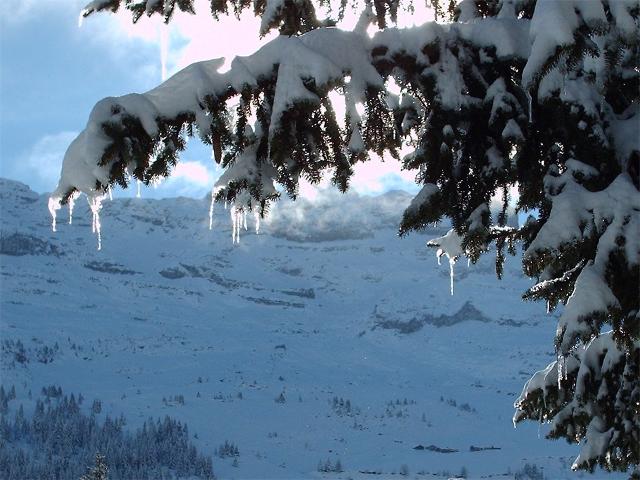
(18, 244)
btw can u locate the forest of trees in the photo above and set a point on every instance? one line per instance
(60, 440)
(541, 96)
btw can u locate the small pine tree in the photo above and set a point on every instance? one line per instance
(99, 471)
(96, 407)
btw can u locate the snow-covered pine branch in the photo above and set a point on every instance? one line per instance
(289, 17)
(538, 95)
(590, 397)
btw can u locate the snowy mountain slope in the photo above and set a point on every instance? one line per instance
(261, 337)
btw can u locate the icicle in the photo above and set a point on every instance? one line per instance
(54, 205)
(451, 246)
(452, 262)
(138, 185)
(213, 199)
(72, 202)
(559, 369)
(236, 223)
(233, 224)
(540, 424)
(95, 203)
(530, 106)
(562, 369)
(110, 193)
(244, 219)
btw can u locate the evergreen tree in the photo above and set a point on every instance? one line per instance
(540, 95)
(59, 441)
(99, 471)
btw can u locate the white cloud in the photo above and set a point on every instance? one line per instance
(112, 34)
(189, 178)
(377, 176)
(331, 215)
(193, 172)
(40, 166)
(373, 177)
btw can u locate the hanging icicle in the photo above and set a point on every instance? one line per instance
(72, 202)
(236, 223)
(451, 246)
(211, 205)
(562, 369)
(54, 206)
(95, 204)
(452, 262)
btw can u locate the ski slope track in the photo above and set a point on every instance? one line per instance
(268, 340)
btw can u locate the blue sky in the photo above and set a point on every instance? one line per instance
(52, 72)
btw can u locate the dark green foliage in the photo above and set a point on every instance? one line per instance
(99, 471)
(530, 471)
(227, 449)
(59, 440)
(293, 17)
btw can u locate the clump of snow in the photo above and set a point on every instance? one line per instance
(553, 25)
(475, 220)
(577, 214)
(590, 364)
(423, 197)
(451, 246)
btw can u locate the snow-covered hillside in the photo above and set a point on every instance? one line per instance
(324, 338)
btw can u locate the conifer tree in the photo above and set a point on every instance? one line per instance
(99, 471)
(538, 95)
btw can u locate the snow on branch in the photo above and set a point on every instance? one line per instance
(604, 222)
(590, 397)
(141, 135)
